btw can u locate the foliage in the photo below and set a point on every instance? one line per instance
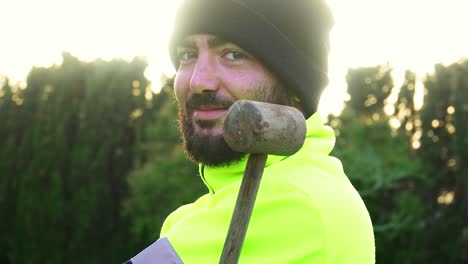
(371, 86)
(444, 150)
(412, 185)
(406, 112)
(67, 145)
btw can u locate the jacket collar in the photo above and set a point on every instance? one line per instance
(319, 139)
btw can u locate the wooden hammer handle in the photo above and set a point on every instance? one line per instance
(243, 209)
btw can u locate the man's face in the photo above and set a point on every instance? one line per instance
(212, 75)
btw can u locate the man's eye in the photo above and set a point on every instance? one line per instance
(186, 55)
(234, 55)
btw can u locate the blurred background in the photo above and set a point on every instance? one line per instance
(91, 162)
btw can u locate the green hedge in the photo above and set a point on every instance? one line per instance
(67, 144)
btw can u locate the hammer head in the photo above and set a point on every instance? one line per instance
(263, 128)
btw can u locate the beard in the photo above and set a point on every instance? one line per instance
(210, 149)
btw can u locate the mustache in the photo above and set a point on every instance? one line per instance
(207, 98)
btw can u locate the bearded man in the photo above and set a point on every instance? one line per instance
(307, 211)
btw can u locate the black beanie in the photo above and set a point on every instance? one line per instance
(289, 37)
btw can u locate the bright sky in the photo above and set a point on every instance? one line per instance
(408, 34)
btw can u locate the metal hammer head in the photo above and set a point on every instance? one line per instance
(263, 128)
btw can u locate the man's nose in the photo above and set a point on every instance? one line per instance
(205, 75)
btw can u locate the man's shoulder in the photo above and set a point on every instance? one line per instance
(331, 200)
(309, 174)
(326, 189)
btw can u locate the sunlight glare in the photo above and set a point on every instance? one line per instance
(412, 35)
(409, 35)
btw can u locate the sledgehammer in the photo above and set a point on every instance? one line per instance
(259, 129)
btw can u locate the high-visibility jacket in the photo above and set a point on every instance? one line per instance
(306, 211)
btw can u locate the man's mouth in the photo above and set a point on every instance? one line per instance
(208, 112)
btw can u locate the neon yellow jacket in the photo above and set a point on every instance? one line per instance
(306, 211)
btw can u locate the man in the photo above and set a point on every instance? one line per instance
(306, 211)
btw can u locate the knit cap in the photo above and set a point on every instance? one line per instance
(289, 37)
